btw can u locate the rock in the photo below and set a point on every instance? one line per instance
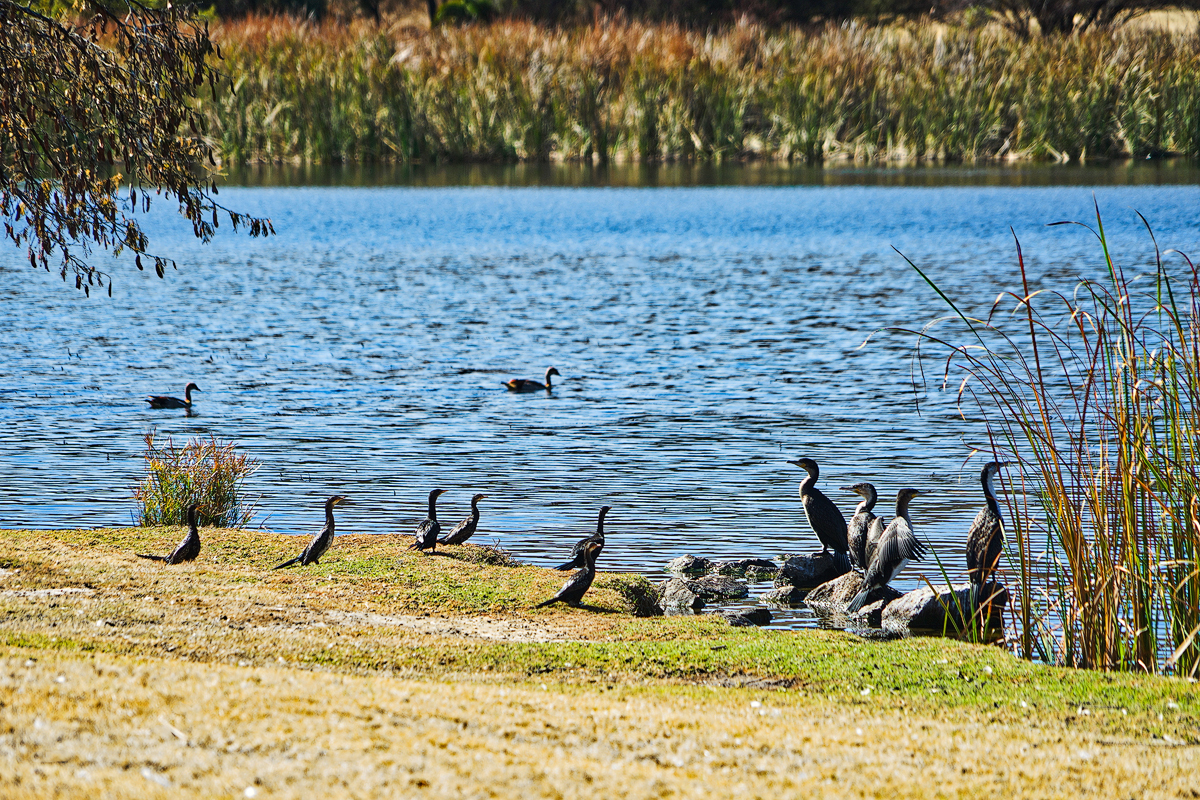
(786, 595)
(808, 572)
(687, 565)
(836, 594)
(750, 568)
(718, 587)
(871, 615)
(676, 598)
(747, 617)
(945, 612)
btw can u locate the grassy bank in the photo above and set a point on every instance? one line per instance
(513, 91)
(431, 674)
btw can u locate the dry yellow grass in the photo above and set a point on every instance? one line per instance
(418, 676)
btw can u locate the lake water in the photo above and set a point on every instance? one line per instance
(705, 334)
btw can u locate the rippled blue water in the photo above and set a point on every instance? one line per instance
(704, 335)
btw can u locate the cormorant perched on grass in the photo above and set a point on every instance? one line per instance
(578, 584)
(826, 521)
(189, 548)
(578, 558)
(165, 401)
(985, 540)
(896, 548)
(526, 385)
(860, 523)
(320, 543)
(465, 529)
(427, 532)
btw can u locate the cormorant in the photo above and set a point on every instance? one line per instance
(578, 584)
(874, 534)
(986, 537)
(320, 543)
(427, 532)
(860, 523)
(826, 521)
(465, 529)
(189, 548)
(578, 557)
(525, 385)
(163, 401)
(896, 548)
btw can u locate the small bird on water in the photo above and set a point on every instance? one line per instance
(465, 529)
(526, 385)
(164, 401)
(320, 543)
(896, 548)
(860, 523)
(985, 539)
(826, 521)
(577, 585)
(189, 548)
(578, 552)
(427, 532)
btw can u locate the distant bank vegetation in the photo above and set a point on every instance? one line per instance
(616, 89)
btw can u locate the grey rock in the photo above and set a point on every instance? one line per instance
(835, 595)
(786, 595)
(676, 598)
(949, 611)
(871, 615)
(689, 565)
(809, 572)
(718, 587)
(751, 568)
(748, 617)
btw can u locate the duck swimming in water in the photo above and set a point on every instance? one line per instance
(896, 548)
(579, 551)
(860, 523)
(427, 532)
(578, 584)
(525, 385)
(164, 401)
(823, 516)
(320, 543)
(465, 529)
(189, 548)
(986, 537)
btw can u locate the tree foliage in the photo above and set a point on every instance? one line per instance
(88, 107)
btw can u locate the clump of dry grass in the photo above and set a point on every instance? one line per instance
(328, 92)
(210, 473)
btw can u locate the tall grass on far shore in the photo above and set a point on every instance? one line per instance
(210, 473)
(1096, 394)
(513, 91)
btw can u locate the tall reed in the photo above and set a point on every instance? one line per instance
(328, 92)
(210, 473)
(1096, 394)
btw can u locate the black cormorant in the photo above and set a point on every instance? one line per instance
(896, 548)
(860, 523)
(189, 548)
(986, 537)
(575, 587)
(826, 521)
(578, 558)
(427, 532)
(320, 543)
(525, 385)
(163, 401)
(465, 529)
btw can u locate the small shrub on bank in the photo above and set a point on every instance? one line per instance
(210, 473)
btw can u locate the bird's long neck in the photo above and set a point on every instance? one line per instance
(808, 484)
(989, 492)
(547, 379)
(433, 508)
(902, 509)
(867, 504)
(329, 516)
(187, 394)
(600, 524)
(193, 522)
(475, 509)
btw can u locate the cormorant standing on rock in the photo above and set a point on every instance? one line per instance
(826, 521)
(320, 543)
(427, 532)
(189, 548)
(165, 401)
(986, 537)
(578, 552)
(526, 385)
(874, 534)
(578, 584)
(860, 523)
(465, 529)
(897, 547)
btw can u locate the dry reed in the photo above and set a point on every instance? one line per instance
(210, 473)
